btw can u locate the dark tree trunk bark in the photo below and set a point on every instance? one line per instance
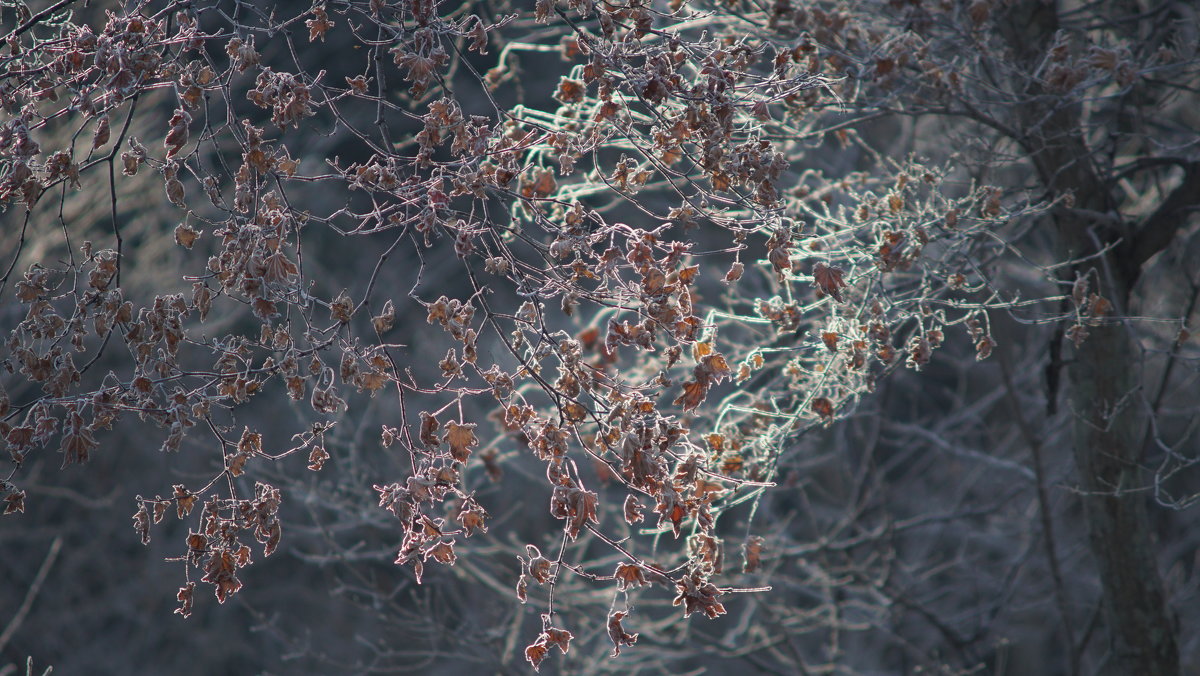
(1104, 372)
(1108, 428)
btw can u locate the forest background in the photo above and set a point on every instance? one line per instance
(591, 337)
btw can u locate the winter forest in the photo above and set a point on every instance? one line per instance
(600, 337)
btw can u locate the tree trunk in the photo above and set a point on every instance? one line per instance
(1108, 428)
(1104, 371)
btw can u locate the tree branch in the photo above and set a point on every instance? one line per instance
(1160, 227)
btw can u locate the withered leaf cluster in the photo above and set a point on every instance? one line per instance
(656, 291)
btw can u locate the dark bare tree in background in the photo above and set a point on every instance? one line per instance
(859, 329)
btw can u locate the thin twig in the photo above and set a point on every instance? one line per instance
(31, 594)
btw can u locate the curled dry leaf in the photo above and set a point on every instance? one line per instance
(317, 457)
(141, 523)
(535, 653)
(576, 505)
(386, 319)
(559, 638)
(429, 427)
(694, 393)
(522, 589)
(983, 349)
(823, 407)
(319, 24)
(830, 338)
(185, 599)
(186, 235)
(472, 517)
(236, 464)
(1098, 306)
(617, 633)
(184, 501)
(829, 281)
(630, 575)
(697, 594)
(175, 192)
(752, 553)
(15, 502)
(450, 366)
(221, 571)
(460, 437)
(442, 552)
(177, 136)
(539, 569)
(780, 259)
(102, 133)
(342, 307)
(633, 510)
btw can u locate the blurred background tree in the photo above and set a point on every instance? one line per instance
(445, 337)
